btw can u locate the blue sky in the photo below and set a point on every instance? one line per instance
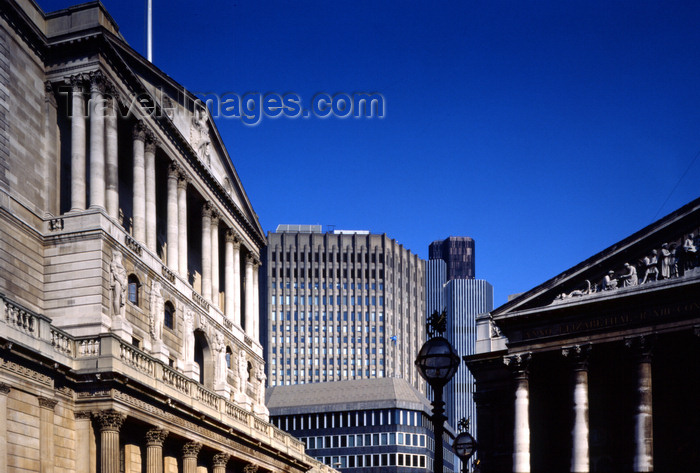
(545, 130)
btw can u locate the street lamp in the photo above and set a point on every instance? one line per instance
(437, 363)
(464, 446)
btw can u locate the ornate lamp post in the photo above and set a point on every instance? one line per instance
(464, 444)
(437, 363)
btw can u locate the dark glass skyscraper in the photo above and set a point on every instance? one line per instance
(458, 255)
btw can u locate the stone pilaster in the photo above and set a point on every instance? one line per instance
(579, 355)
(206, 251)
(256, 301)
(237, 296)
(154, 450)
(189, 457)
(519, 364)
(172, 218)
(139, 183)
(4, 392)
(109, 423)
(111, 158)
(150, 172)
(97, 141)
(78, 146)
(219, 462)
(215, 258)
(249, 314)
(85, 455)
(46, 436)
(643, 417)
(182, 225)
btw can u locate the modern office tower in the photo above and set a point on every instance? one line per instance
(451, 286)
(341, 305)
(129, 335)
(361, 426)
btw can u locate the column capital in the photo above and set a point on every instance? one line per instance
(5, 389)
(151, 142)
(250, 468)
(156, 437)
(50, 93)
(46, 403)
(220, 459)
(233, 237)
(183, 180)
(97, 81)
(191, 449)
(519, 363)
(109, 420)
(578, 354)
(642, 346)
(207, 210)
(77, 82)
(173, 170)
(215, 216)
(139, 132)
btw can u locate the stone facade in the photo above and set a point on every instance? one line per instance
(596, 369)
(129, 332)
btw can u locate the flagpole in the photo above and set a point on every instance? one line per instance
(149, 32)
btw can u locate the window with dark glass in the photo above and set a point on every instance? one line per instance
(133, 292)
(168, 319)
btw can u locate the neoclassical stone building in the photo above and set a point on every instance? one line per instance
(129, 255)
(597, 369)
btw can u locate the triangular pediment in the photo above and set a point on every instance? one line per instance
(186, 121)
(662, 254)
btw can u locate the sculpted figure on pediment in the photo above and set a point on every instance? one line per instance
(221, 368)
(629, 278)
(651, 272)
(118, 282)
(666, 261)
(199, 135)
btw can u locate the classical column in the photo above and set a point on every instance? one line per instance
(256, 302)
(150, 187)
(182, 225)
(172, 223)
(78, 147)
(154, 450)
(219, 462)
(4, 391)
(249, 315)
(111, 158)
(643, 416)
(578, 355)
(231, 293)
(97, 141)
(139, 184)
(84, 442)
(206, 251)
(237, 281)
(521, 434)
(109, 423)
(215, 258)
(46, 440)
(189, 457)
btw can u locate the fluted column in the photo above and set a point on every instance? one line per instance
(580, 460)
(154, 450)
(150, 187)
(182, 225)
(521, 434)
(46, 440)
(111, 159)
(206, 251)
(4, 391)
(78, 147)
(172, 217)
(139, 184)
(109, 423)
(249, 315)
(219, 462)
(256, 302)
(230, 291)
(97, 143)
(643, 416)
(215, 258)
(189, 457)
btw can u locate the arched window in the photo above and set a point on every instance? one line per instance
(133, 289)
(229, 353)
(169, 315)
